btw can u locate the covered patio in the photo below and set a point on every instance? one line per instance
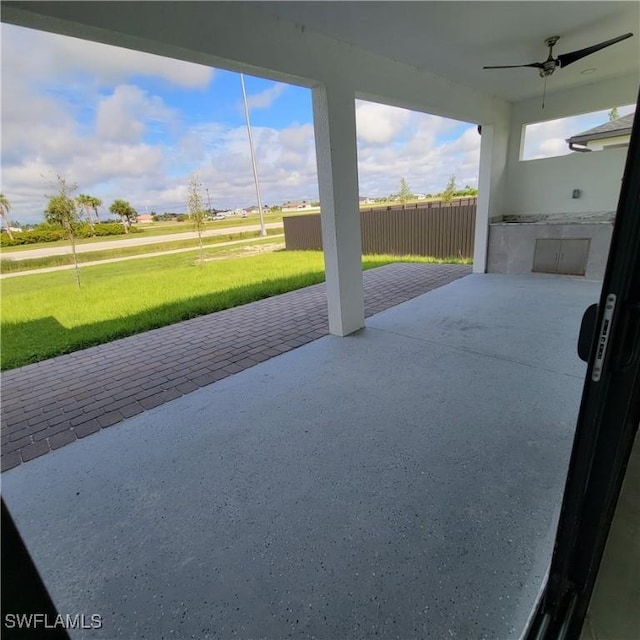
(419, 56)
(402, 482)
(400, 478)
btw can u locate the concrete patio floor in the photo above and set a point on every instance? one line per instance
(403, 482)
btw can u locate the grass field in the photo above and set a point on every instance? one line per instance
(44, 315)
(166, 228)
(154, 229)
(15, 264)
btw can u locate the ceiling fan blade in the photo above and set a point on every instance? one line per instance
(537, 65)
(569, 58)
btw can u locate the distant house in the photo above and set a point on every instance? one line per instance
(610, 135)
(296, 205)
(365, 200)
(254, 209)
(145, 218)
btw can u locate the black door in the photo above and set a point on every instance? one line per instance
(607, 423)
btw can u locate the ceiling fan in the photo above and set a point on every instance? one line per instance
(547, 67)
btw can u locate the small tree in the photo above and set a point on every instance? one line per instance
(5, 207)
(404, 193)
(614, 114)
(450, 190)
(128, 215)
(197, 213)
(62, 211)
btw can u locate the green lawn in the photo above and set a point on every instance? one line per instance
(167, 228)
(14, 264)
(155, 229)
(44, 315)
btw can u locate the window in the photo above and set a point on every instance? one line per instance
(587, 132)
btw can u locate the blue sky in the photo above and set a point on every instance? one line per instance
(124, 124)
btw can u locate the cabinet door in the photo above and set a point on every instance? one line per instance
(573, 256)
(547, 253)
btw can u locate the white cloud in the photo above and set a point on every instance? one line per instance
(285, 160)
(416, 152)
(123, 116)
(297, 137)
(112, 162)
(37, 54)
(546, 139)
(266, 98)
(379, 124)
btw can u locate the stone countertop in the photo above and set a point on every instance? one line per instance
(604, 217)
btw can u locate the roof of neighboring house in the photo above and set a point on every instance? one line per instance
(618, 127)
(295, 203)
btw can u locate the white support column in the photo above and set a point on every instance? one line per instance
(335, 133)
(493, 163)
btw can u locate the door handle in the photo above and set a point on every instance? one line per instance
(587, 332)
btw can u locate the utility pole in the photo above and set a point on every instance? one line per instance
(263, 231)
(208, 200)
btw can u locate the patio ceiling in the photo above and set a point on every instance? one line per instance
(428, 36)
(455, 39)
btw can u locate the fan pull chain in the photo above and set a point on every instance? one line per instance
(544, 91)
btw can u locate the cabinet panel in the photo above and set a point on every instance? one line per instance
(566, 256)
(573, 256)
(545, 258)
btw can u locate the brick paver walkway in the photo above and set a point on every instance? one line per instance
(52, 403)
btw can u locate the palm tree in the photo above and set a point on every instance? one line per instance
(127, 213)
(94, 203)
(85, 201)
(5, 207)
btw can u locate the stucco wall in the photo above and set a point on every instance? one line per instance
(545, 186)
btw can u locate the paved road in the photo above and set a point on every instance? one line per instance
(134, 241)
(153, 254)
